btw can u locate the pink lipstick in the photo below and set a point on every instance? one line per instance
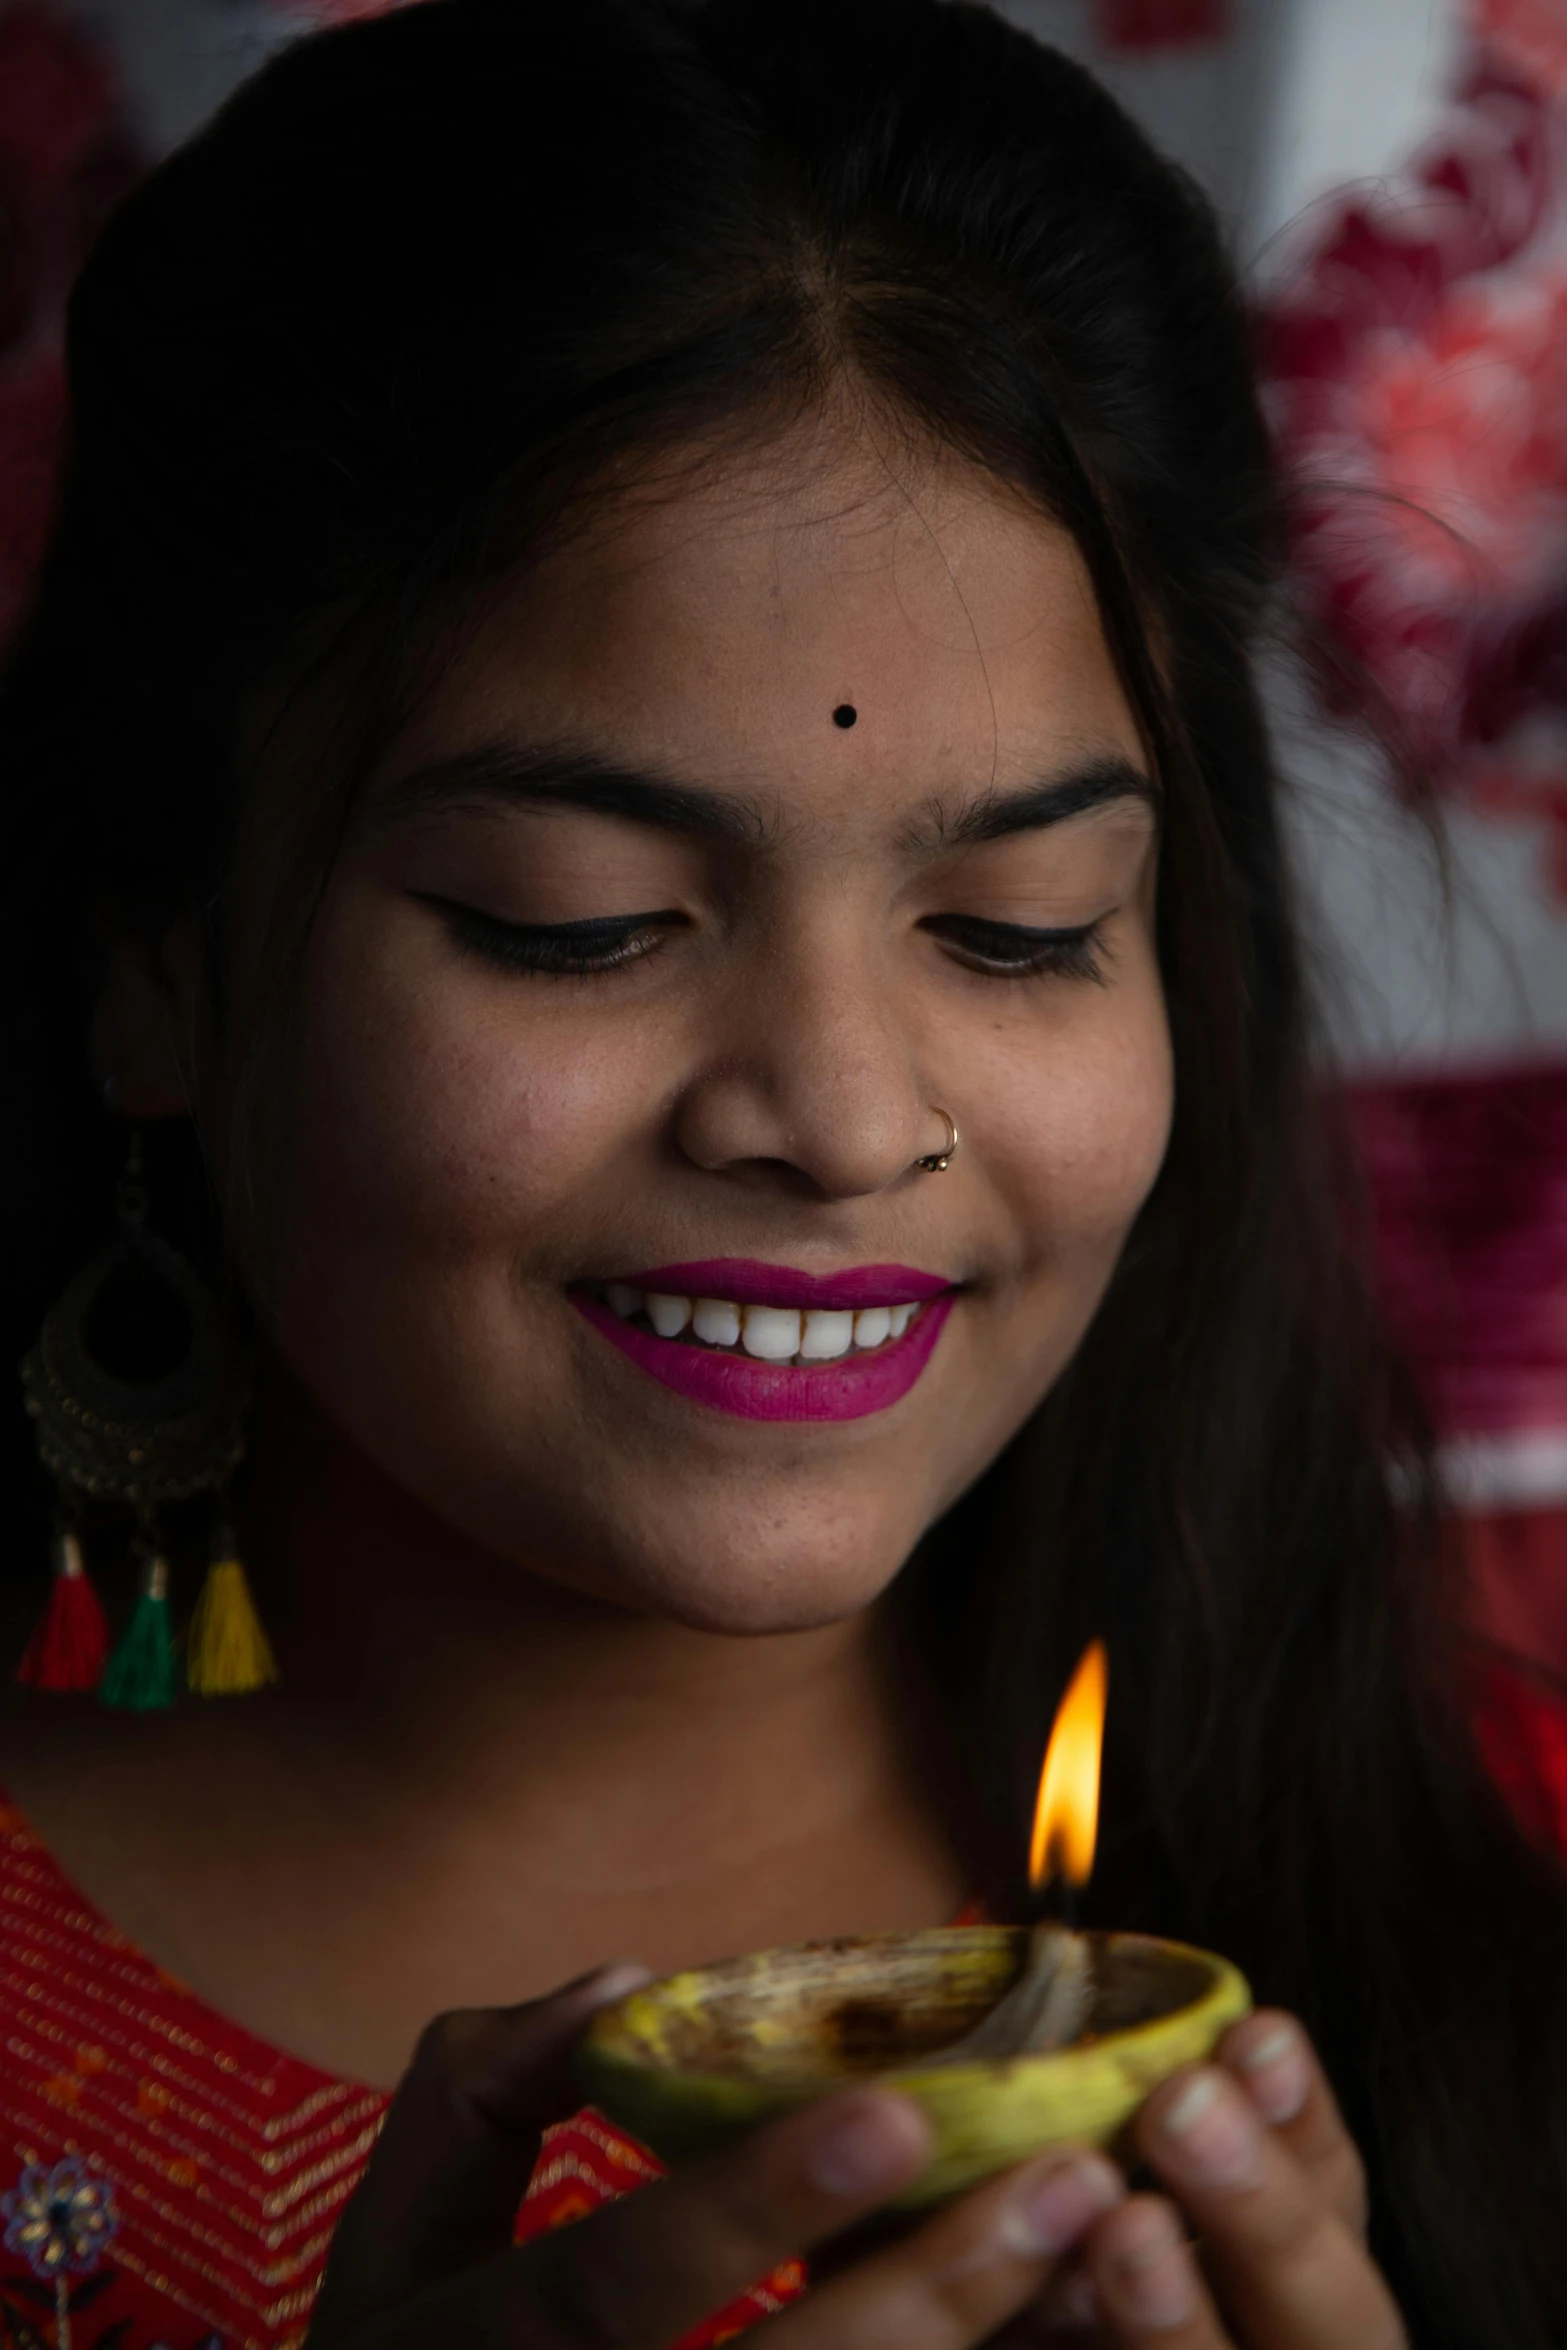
(768, 1342)
(752, 1284)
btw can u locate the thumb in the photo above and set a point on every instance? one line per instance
(458, 2148)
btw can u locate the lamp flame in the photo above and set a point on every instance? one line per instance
(1066, 1816)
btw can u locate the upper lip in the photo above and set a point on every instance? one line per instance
(745, 1282)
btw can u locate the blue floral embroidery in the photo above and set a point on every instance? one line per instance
(60, 2220)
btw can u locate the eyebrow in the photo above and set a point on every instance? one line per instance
(572, 779)
(566, 778)
(1095, 782)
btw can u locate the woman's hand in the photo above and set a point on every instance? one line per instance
(424, 2252)
(1260, 2169)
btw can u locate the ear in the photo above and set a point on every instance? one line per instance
(146, 1034)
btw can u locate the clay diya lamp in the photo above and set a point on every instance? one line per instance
(1013, 2039)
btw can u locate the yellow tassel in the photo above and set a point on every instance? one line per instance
(227, 1651)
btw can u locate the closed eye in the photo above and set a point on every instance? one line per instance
(1012, 951)
(555, 949)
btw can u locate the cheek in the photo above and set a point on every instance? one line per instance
(1086, 1137)
(439, 1115)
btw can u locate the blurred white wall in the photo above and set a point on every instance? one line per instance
(1356, 85)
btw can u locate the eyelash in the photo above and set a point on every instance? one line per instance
(1008, 950)
(580, 950)
(557, 950)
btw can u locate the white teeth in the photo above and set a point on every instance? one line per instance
(772, 1333)
(716, 1322)
(826, 1336)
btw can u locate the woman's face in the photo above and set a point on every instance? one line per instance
(796, 807)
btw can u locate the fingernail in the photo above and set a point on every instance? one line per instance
(1051, 2207)
(1213, 2138)
(1278, 2078)
(1077, 2301)
(614, 1980)
(1152, 2283)
(869, 2146)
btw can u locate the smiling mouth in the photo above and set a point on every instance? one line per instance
(767, 1342)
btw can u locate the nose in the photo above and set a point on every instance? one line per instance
(814, 1083)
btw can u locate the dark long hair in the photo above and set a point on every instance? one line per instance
(365, 338)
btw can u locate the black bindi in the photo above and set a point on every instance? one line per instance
(845, 714)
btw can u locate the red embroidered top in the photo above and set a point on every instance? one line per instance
(167, 2180)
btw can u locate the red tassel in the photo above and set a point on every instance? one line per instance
(70, 1647)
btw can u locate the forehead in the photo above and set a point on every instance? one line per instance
(714, 617)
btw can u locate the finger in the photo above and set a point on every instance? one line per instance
(966, 2273)
(1068, 2312)
(655, 2264)
(1147, 2284)
(458, 2148)
(1289, 2271)
(1273, 2060)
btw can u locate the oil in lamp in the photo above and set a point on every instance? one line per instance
(1013, 2038)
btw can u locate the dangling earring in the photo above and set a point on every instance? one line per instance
(139, 1400)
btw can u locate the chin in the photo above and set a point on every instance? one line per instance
(780, 1579)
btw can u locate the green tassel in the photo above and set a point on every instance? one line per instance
(143, 1673)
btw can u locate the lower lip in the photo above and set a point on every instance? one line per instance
(848, 1390)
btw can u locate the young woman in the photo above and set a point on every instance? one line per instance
(641, 714)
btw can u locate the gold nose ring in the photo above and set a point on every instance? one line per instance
(939, 1161)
